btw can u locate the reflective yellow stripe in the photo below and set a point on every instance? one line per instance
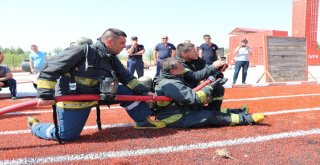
(172, 118)
(223, 110)
(217, 98)
(133, 83)
(46, 84)
(86, 81)
(186, 70)
(202, 96)
(235, 119)
(163, 103)
(76, 105)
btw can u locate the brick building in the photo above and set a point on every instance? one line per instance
(304, 24)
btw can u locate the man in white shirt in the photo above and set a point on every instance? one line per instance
(242, 61)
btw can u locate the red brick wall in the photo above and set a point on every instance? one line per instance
(305, 24)
(256, 42)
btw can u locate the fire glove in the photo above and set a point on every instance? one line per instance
(209, 88)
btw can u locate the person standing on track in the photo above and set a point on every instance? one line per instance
(162, 51)
(135, 60)
(208, 50)
(242, 52)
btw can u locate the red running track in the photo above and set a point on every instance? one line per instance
(289, 135)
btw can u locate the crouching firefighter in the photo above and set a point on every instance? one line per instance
(196, 70)
(85, 69)
(187, 110)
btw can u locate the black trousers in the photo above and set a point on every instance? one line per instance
(12, 84)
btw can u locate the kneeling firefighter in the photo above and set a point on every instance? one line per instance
(85, 69)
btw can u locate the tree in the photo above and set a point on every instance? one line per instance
(19, 51)
(57, 51)
(148, 56)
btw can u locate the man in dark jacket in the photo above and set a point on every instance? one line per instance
(187, 110)
(196, 70)
(81, 70)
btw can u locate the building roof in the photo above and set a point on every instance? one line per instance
(238, 31)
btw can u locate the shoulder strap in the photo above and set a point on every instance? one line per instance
(86, 55)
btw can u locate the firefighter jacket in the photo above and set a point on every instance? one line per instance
(184, 98)
(196, 71)
(88, 65)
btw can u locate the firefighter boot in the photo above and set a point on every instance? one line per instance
(250, 118)
(149, 124)
(32, 121)
(243, 109)
(257, 117)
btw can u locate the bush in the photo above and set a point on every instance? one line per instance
(13, 61)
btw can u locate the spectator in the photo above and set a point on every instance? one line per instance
(72, 44)
(209, 51)
(37, 59)
(163, 50)
(6, 78)
(83, 40)
(135, 60)
(242, 61)
(187, 41)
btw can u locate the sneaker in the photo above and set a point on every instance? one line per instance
(14, 98)
(149, 124)
(257, 117)
(32, 121)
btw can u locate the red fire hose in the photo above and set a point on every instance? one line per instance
(95, 97)
(90, 97)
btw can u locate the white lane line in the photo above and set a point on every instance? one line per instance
(271, 97)
(292, 111)
(130, 124)
(162, 150)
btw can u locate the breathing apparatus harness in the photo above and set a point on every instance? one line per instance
(108, 85)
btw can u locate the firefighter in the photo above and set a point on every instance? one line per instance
(187, 110)
(88, 69)
(196, 70)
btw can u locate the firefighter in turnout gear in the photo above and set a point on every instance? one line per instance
(196, 70)
(187, 110)
(89, 69)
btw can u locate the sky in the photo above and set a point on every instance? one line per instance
(54, 24)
